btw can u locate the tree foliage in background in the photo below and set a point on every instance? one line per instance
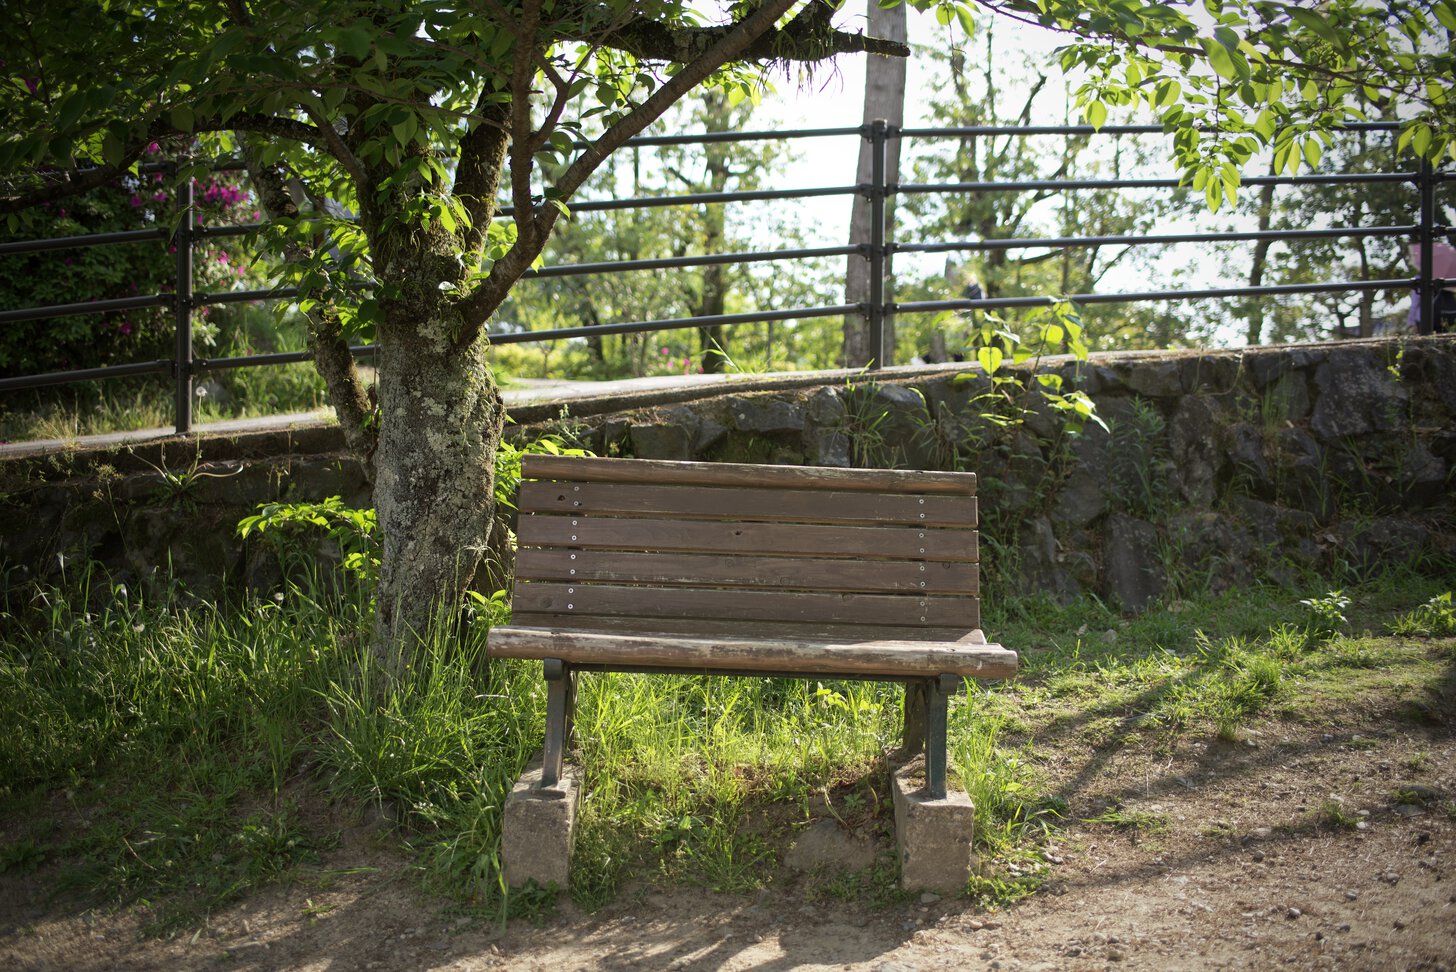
(986, 89)
(1230, 78)
(649, 233)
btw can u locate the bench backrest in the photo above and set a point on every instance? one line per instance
(693, 548)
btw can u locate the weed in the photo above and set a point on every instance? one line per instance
(1433, 619)
(1326, 615)
(1145, 822)
(1335, 813)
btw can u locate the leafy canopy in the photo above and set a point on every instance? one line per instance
(1233, 77)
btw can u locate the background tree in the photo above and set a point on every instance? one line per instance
(665, 232)
(986, 87)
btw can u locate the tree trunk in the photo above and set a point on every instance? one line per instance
(1255, 330)
(884, 99)
(441, 418)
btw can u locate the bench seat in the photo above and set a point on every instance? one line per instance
(880, 659)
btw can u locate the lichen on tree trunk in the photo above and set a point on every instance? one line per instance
(441, 418)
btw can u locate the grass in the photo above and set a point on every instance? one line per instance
(178, 754)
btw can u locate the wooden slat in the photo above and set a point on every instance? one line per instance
(580, 469)
(713, 627)
(754, 504)
(778, 573)
(903, 542)
(892, 658)
(906, 609)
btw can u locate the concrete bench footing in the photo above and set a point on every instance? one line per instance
(539, 827)
(933, 836)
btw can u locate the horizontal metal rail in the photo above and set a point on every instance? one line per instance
(709, 260)
(1271, 290)
(22, 382)
(80, 242)
(964, 131)
(671, 324)
(1031, 185)
(273, 358)
(86, 307)
(1032, 243)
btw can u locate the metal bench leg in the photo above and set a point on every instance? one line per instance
(560, 701)
(938, 692)
(912, 741)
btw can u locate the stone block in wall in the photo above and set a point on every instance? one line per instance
(661, 441)
(1252, 474)
(1357, 395)
(1301, 480)
(1268, 366)
(1041, 564)
(765, 414)
(1210, 374)
(1382, 542)
(1422, 478)
(1132, 567)
(314, 478)
(1155, 378)
(1193, 434)
(1083, 496)
(1287, 399)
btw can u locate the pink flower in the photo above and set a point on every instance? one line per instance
(152, 149)
(136, 200)
(61, 212)
(124, 327)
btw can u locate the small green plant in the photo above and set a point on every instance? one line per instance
(1326, 615)
(352, 530)
(1434, 619)
(1133, 821)
(1336, 813)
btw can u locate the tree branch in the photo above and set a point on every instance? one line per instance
(808, 37)
(489, 293)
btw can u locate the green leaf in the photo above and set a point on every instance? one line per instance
(181, 117)
(1096, 113)
(1218, 58)
(1310, 20)
(990, 359)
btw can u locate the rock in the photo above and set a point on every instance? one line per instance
(661, 441)
(1154, 378)
(1132, 572)
(1040, 562)
(1251, 473)
(1419, 793)
(1293, 913)
(1357, 395)
(762, 413)
(1197, 459)
(1288, 400)
(929, 897)
(1083, 497)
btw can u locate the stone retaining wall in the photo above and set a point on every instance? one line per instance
(1217, 468)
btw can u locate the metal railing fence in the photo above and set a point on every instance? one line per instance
(879, 311)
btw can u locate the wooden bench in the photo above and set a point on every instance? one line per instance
(719, 568)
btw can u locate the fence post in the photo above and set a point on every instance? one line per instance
(879, 131)
(1426, 287)
(182, 241)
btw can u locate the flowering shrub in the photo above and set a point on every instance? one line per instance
(82, 275)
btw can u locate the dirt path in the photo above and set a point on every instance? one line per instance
(1219, 855)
